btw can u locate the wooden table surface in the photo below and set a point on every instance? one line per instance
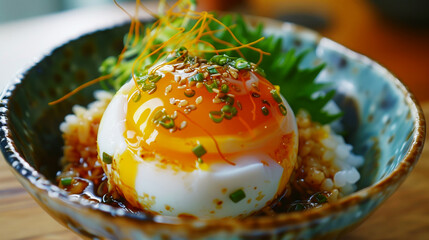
(405, 214)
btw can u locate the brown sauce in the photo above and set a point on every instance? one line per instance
(91, 184)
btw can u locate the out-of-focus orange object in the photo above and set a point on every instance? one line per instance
(358, 25)
(222, 5)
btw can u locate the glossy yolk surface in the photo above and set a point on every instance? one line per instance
(223, 140)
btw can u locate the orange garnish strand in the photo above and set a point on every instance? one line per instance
(87, 84)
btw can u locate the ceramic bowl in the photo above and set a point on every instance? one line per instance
(383, 119)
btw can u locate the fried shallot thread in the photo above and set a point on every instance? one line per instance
(87, 84)
(147, 10)
(201, 25)
(214, 38)
(249, 129)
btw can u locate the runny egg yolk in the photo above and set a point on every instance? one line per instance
(258, 115)
(208, 137)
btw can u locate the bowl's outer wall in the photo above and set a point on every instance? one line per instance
(379, 118)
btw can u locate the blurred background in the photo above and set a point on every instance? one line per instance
(393, 32)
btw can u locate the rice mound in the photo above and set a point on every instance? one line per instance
(326, 163)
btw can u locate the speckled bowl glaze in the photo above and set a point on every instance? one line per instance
(383, 119)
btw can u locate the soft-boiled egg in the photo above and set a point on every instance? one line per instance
(199, 140)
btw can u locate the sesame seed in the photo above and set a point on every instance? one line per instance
(182, 103)
(167, 68)
(230, 95)
(199, 100)
(191, 107)
(188, 70)
(255, 94)
(234, 74)
(173, 101)
(179, 66)
(131, 134)
(215, 90)
(168, 89)
(206, 74)
(199, 84)
(174, 115)
(255, 86)
(216, 100)
(183, 125)
(232, 69)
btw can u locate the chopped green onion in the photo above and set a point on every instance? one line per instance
(283, 109)
(216, 116)
(229, 111)
(265, 111)
(321, 198)
(150, 86)
(219, 60)
(159, 115)
(167, 122)
(137, 97)
(154, 78)
(237, 196)
(229, 100)
(210, 87)
(224, 88)
(143, 78)
(212, 70)
(199, 77)
(107, 158)
(66, 181)
(199, 151)
(181, 52)
(189, 92)
(240, 63)
(276, 96)
(163, 119)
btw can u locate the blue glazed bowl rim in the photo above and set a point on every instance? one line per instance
(23, 169)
